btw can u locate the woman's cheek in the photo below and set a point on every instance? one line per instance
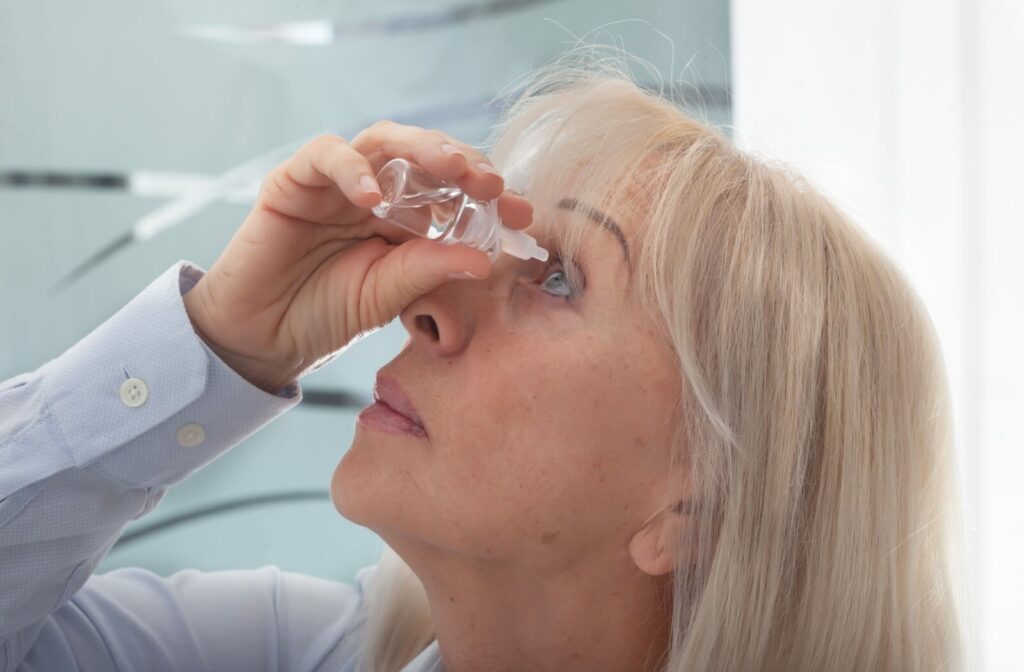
(544, 316)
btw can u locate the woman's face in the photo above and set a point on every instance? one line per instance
(547, 399)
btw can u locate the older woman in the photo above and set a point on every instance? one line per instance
(710, 432)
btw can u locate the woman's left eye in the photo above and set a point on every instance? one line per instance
(561, 282)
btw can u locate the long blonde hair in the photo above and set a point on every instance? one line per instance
(815, 419)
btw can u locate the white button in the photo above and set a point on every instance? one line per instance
(190, 435)
(134, 392)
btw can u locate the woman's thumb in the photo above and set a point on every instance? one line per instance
(419, 266)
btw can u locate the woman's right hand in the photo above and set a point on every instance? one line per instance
(311, 268)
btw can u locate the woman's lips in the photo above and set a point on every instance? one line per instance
(382, 417)
(392, 411)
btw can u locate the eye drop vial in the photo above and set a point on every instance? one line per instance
(433, 208)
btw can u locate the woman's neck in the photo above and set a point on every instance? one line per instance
(590, 616)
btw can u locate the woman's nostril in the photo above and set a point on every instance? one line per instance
(428, 325)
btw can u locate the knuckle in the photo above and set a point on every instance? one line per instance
(443, 137)
(372, 134)
(328, 139)
(272, 188)
(270, 183)
(321, 139)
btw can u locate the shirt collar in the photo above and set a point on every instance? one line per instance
(428, 660)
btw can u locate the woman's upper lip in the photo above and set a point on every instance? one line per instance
(387, 390)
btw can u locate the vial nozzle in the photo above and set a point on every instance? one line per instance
(521, 245)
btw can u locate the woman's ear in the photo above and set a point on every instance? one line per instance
(655, 546)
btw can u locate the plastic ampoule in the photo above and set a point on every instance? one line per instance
(433, 208)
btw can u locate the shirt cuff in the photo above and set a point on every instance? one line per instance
(146, 378)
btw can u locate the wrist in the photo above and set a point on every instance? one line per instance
(270, 379)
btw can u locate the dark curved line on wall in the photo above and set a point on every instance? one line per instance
(219, 508)
(453, 15)
(95, 259)
(333, 398)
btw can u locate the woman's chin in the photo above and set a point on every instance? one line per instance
(354, 483)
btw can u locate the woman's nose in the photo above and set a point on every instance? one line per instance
(441, 321)
(444, 321)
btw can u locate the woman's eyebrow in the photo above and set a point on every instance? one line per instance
(602, 219)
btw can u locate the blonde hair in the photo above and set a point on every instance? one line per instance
(815, 420)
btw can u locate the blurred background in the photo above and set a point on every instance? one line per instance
(133, 135)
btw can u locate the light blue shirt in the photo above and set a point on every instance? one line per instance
(83, 453)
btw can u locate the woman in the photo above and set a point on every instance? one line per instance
(712, 432)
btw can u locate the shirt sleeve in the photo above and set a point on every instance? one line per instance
(92, 440)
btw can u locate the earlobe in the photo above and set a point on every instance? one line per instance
(653, 547)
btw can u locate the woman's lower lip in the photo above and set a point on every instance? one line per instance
(382, 417)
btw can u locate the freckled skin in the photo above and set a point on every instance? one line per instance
(549, 433)
(511, 419)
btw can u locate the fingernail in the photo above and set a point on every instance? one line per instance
(369, 184)
(463, 275)
(488, 168)
(451, 149)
